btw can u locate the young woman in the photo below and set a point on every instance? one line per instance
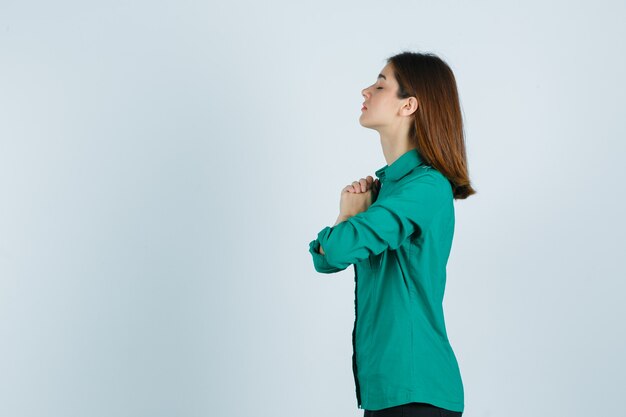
(397, 231)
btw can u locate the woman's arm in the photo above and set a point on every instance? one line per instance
(355, 198)
(340, 219)
(409, 208)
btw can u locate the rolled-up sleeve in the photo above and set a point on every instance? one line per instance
(320, 262)
(386, 224)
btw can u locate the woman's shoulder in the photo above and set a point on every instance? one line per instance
(421, 195)
(426, 175)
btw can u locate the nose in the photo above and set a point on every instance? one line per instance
(364, 92)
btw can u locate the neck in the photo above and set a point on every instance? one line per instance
(395, 142)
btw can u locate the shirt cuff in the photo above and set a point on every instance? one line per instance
(319, 261)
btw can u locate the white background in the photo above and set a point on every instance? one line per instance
(164, 166)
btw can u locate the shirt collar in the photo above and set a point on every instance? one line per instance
(400, 167)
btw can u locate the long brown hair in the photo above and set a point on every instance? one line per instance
(437, 128)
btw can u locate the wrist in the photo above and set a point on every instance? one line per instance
(341, 218)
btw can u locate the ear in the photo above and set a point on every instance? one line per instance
(410, 106)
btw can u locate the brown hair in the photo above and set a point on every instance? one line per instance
(437, 128)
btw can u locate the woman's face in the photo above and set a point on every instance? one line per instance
(381, 103)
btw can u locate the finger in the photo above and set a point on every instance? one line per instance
(364, 185)
(357, 186)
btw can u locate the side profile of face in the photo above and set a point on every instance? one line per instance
(382, 108)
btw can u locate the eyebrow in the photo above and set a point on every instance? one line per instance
(382, 76)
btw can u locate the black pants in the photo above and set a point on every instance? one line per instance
(413, 410)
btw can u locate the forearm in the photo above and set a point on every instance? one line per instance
(340, 219)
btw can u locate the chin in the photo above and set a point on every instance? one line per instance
(368, 126)
(364, 123)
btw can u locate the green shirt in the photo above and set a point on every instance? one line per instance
(399, 247)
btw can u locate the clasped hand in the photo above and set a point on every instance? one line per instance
(355, 198)
(358, 196)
